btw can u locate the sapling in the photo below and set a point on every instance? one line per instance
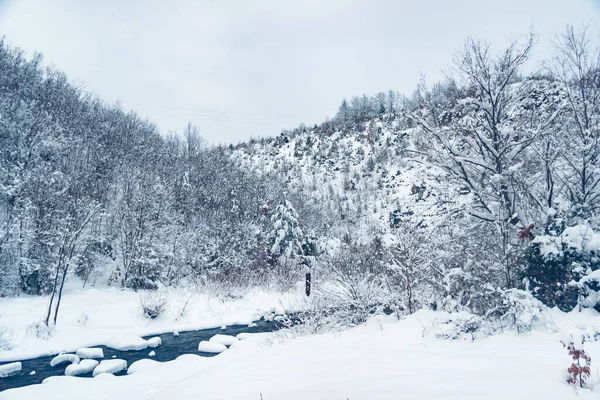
(580, 368)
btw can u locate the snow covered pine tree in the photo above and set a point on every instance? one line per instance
(285, 241)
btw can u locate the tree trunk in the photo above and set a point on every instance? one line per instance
(58, 268)
(308, 280)
(62, 284)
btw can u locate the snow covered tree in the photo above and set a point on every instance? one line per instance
(481, 147)
(577, 67)
(285, 239)
(408, 267)
(285, 242)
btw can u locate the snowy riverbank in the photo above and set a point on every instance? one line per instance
(385, 359)
(95, 316)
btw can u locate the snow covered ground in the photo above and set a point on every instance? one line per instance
(384, 359)
(90, 317)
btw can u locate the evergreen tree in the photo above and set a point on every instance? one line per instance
(286, 238)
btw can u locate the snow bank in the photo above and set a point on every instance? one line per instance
(114, 312)
(227, 340)
(110, 367)
(9, 369)
(142, 365)
(384, 360)
(211, 347)
(244, 335)
(84, 367)
(127, 342)
(63, 358)
(90, 352)
(154, 342)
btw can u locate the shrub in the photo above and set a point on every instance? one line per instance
(183, 301)
(580, 368)
(560, 267)
(286, 274)
(519, 310)
(457, 326)
(6, 337)
(40, 330)
(153, 303)
(357, 288)
(314, 317)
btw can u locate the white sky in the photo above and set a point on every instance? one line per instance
(240, 68)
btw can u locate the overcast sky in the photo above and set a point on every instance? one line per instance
(241, 68)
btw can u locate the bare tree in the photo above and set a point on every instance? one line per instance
(479, 144)
(577, 66)
(408, 267)
(75, 223)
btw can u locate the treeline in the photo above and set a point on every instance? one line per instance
(91, 189)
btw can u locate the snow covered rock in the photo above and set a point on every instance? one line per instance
(90, 352)
(152, 353)
(154, 342)
(32, 373)
(227, 340)
(127, 342)
(211, 347)
(63, 358)
(84, 367)
(110, 367)
(10, 369)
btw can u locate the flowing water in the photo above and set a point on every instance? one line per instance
(172, 347)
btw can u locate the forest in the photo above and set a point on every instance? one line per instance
(479, 193)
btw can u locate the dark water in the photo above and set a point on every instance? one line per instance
(171, 348)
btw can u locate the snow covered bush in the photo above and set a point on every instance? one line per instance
(40, 330)
(315, 316)
(357, 287)
(519, 310)
(6, 336)
(458, 325)
(286, 274)
(182, 301)
(561, 267)
(153, 303)
(580, 368)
